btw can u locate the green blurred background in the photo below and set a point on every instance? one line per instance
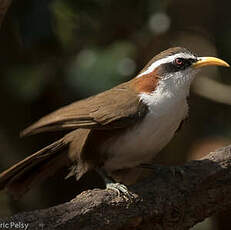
(53, 52)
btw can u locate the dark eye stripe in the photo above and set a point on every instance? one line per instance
(177, 65)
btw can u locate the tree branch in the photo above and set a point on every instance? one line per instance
(162, 201)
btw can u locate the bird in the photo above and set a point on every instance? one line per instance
(117, 130)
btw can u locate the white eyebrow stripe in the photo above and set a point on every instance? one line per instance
(163, 61)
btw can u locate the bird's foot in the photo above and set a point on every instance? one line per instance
(120, 189)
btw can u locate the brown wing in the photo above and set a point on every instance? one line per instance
(117, 107)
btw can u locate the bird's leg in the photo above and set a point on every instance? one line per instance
(111, 184)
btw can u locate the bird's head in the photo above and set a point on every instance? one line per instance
(173, 69)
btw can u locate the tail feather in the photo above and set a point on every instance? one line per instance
(35, 168)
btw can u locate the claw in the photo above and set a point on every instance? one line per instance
(120, 189)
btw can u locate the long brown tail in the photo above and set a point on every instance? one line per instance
(22, 176)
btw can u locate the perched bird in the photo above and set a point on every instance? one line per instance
(117, 130)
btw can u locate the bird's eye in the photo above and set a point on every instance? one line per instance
(179, 61)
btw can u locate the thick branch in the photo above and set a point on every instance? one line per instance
(162, 201)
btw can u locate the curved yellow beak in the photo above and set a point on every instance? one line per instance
(209, 61)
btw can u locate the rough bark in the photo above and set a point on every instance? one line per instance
(198, 190)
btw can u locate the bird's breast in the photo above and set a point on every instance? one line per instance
(143, 141)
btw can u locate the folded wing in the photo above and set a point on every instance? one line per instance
(115, 108)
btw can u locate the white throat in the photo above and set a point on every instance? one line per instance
(173, 87)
